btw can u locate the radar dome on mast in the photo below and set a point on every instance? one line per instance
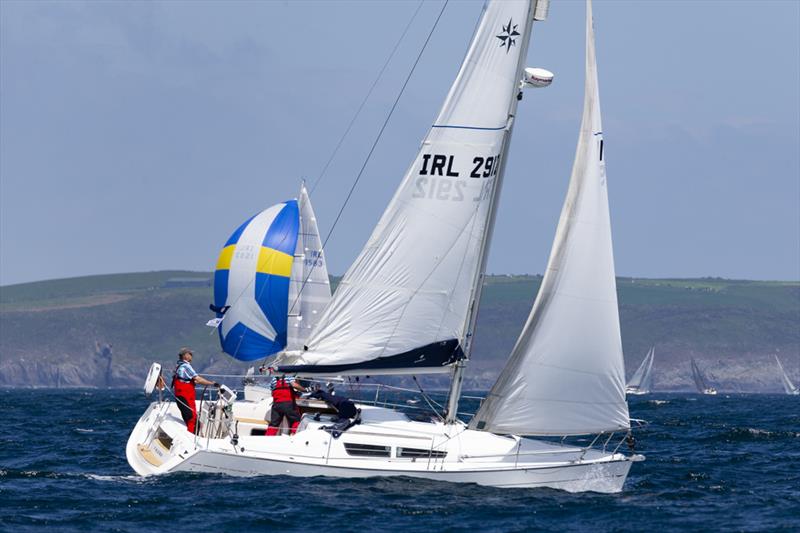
(537, 77)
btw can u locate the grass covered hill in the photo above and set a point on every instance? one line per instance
(104, 331)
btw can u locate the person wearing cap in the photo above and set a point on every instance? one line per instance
(183, 383)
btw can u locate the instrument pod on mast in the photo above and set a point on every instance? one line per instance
(537, 77)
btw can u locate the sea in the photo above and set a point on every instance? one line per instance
(723, 463)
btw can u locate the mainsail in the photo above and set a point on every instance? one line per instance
(251, 283)
(566, 373)
(309, 289)
(404, 304)
(643, 377)
(788, 386)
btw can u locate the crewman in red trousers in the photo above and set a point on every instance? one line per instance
(183, 382)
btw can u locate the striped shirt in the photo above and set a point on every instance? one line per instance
(274, 383)
(185, 372)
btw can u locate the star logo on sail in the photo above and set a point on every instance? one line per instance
(507, 35)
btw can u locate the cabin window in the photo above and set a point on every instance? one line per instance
(366, 450)
(419, 452)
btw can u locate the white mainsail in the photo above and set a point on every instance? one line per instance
(309, 287)
(403, 304)
(566, 374)
(643, 377)
(788, 386)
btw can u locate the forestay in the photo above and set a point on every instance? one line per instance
(402, 305)
(566, 375)
(309, 289)
(252, 281)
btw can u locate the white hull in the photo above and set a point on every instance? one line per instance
(636, 392)
(464, 456)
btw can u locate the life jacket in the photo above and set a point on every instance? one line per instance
(283, 391)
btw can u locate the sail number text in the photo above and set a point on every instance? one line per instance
(428, 186)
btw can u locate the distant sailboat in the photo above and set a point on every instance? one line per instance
(642, 379)
(700, 382)
(788, 386)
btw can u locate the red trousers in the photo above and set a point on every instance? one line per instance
(281, 410)
(185, 396)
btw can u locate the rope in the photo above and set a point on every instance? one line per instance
(427, 400)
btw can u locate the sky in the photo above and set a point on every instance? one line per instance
(136, 136)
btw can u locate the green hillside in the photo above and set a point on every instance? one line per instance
(105, 330)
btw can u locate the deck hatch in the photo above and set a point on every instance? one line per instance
(367, 450)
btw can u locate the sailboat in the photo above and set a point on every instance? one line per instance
(700, 382)
(642, 379)
(408, 306)
(788, 386)
(271, 281)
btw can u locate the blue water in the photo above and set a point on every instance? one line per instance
(713, 463)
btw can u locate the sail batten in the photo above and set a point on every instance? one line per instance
(410, 287)
(565, 375)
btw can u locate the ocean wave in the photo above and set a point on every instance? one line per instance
(124, 478)
(754, 434)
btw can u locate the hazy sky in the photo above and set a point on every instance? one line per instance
(137, 135)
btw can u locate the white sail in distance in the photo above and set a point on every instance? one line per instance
(309, 287)
(698, 378)
(403, 304)
(788, 386)
(566, 373)
(642, 379)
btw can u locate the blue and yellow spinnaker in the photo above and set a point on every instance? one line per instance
(252, 279)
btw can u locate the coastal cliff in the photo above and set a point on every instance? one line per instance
(104, 331)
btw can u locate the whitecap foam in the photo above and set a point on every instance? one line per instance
(99, 477)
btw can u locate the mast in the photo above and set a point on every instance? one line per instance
(557, 382)
(480, 274)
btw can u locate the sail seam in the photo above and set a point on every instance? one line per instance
(467, 127)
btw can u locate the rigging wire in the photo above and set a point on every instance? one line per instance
(333, 155)
(375, 142)
(366, 98)
(430, 401)
(385, 123)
